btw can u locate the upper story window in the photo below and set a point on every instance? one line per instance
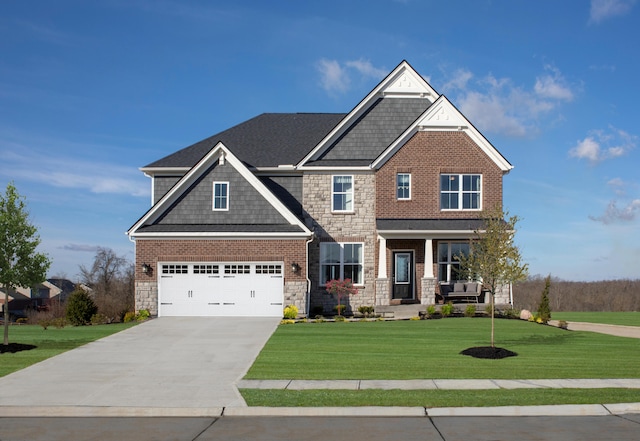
(460, 192)
(342, 193)
(221, 196)
(403, 186)
(341, 261)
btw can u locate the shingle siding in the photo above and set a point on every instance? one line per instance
(162, 184)
(246, 204)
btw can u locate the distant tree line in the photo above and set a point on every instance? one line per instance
(605, 295)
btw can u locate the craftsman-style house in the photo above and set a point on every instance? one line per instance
(261, 215)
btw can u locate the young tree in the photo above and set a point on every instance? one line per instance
(341, 288)
(20, 264)
(493, 257)
(544, 308)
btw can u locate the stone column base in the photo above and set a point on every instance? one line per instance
(428, 295)
(382, 292)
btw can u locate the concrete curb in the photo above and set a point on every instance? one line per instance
(370, 411)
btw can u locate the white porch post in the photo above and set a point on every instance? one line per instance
(382, 258)
(428, 259)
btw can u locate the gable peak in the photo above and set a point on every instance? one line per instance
(405, 81)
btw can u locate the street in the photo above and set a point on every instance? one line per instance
(524, 428)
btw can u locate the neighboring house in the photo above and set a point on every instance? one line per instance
(37, 298)
(261, 215)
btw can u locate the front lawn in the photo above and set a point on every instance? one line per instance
(50, 342)
(610, 318)
(430, 349)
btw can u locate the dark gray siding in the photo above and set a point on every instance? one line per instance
(368, 137)
(288, 189)
(246, 204)
(162, 184)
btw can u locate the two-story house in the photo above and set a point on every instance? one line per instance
(261, 215)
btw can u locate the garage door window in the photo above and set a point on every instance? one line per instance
(205, 269)
(237, 269)
(268, 269)
(175, 269)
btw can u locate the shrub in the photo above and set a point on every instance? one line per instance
(59, 322)
(290, 312)
(129, 317)
(339, 309)
(45, 323)
(143, 315)
(470, 311)
(366, 311)
(341, 288)
(80, 307)
(340, 318)
(446, 309)
(319, 319)
(431, 310)
(414, 318)
(99, 319)
(287, 322)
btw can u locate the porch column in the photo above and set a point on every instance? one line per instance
(428, 294)
(428, 258)
(382, 258)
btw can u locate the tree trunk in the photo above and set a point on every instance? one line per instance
(493, 313)
(6, 317)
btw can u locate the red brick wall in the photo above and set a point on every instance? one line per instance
(426, 156)
(203, 250)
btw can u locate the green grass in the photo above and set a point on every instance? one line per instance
(430, 349)
(51, 342)
(436, 398)
(610, 318)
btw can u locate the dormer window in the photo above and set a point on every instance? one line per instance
(220, 196)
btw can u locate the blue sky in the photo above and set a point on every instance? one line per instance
(91, 91)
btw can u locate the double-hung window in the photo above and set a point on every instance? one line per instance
(220, 196)
(460, 192)
(342, 193)
(341, 261)
(403, 186)
(448, 264)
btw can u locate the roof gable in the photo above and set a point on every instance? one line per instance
(183, 206)
(444, 116)
(402, 82)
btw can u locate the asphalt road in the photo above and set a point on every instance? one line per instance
(523, 428)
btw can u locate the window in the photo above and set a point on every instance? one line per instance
(268, 269)
(342, 193)
(175, 269)
(221, 196)
(341, 261)
(403, 186)
(237, 269)
(205, 269)
(460, 192)
(448, 265)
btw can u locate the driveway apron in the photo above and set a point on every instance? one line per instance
(172, 362)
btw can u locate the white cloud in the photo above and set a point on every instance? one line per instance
(80, 247)
(604, 9)
(601, 145)
(553, 86)
(614, 214)
(618, 186)
(336, 78)
(498, 105)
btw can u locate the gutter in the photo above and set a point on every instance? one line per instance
(307, 274)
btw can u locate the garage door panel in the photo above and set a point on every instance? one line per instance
(221, 289)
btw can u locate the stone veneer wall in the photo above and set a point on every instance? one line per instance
(358, 226)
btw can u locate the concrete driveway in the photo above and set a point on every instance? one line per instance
(165, 363)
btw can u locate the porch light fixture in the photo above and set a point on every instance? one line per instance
(146, 269)
(295, 267)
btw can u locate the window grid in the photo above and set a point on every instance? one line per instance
(342, 193)
(460, 191)
(220, 196)
(175, 269)
(341, 261)
(205, 269)
(403, 186)
(448, 265)
(237, 269)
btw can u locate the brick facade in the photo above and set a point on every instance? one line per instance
(152, 251)
(426, 156)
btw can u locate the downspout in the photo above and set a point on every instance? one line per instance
(307, 275)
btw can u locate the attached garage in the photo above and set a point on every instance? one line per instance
(216, 289)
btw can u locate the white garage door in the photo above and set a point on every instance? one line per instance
(221, 289)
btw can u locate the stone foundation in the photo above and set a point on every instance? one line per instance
(428, 295)
(147, 297)
(382, 292)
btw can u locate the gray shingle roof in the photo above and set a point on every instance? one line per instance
(268, 140)
(429, 224)
(374, 131)
(220, 228)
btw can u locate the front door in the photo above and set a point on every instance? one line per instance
(402, 274)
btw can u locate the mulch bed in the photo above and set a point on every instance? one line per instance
(488, 352)
(15, 347)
